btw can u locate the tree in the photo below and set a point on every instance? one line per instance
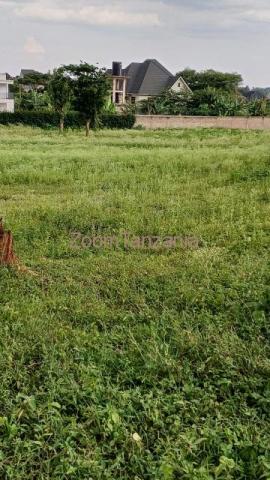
(30, 92)
(34, 81)
(173, 103)
(259, 107)
(168, 103)
(148, 106)
(91, 87)
(32, 101)
(228, 82)
(60, 93)
(211, 101)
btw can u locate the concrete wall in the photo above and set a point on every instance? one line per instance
(140, 98)
(6, 102)
(6, 105)
(165, 121)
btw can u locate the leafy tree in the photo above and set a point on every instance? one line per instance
(34, 80)
(91, 87)
(228, 82)
(259, 107)
(168, 103)
(32, 101)
(211, 101)
(30, 92)
(149, 106)
(130, 109)
(60, 93)
(173, 103)
(109, 107)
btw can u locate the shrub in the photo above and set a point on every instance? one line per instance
(259, 107)
(214, 102)
(168, 103)
(118, 121)
(73, 119)
(209, 101)
(32, 118)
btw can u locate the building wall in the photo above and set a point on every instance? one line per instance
(179, 86)
(119, 90)
(6, 105)
(3, 89)
(140, 98)
(165, 121)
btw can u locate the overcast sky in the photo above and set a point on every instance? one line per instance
(228, 35)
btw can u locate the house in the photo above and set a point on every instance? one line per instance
(26, 72)
(139, 81)
(29, 76)
(6, 97)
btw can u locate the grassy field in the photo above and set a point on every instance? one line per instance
(127, 363)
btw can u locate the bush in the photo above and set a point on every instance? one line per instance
(118, 121)
(72, 120)
(209, 101)
(214, 102)
(259, 107)
(168, 103)
(37, 119)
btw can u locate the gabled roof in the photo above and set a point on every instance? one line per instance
(176, 78)
(147, 78)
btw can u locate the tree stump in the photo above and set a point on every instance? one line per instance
(7, 256)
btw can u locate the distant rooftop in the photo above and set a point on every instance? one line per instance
(25, 72)
(5, 76)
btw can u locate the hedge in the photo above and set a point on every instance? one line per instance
(73, 119)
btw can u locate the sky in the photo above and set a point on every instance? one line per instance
(226, 35)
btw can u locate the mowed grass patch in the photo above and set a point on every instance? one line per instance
(135, 364)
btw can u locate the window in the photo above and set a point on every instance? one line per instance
(118, 98)
(119, 85)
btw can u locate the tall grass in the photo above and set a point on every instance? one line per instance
(135, 364)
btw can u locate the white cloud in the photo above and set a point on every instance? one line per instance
(258, 15)
(223, 34)
(213, 16)
(190, 15)
(4, 4)
(113, 15)
(33, 47)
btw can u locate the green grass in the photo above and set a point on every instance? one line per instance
(104, 344)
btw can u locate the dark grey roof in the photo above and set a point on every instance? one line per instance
(172, 81)
(26, 72)
(147, 78)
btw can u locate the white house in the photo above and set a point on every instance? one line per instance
(6, 97)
